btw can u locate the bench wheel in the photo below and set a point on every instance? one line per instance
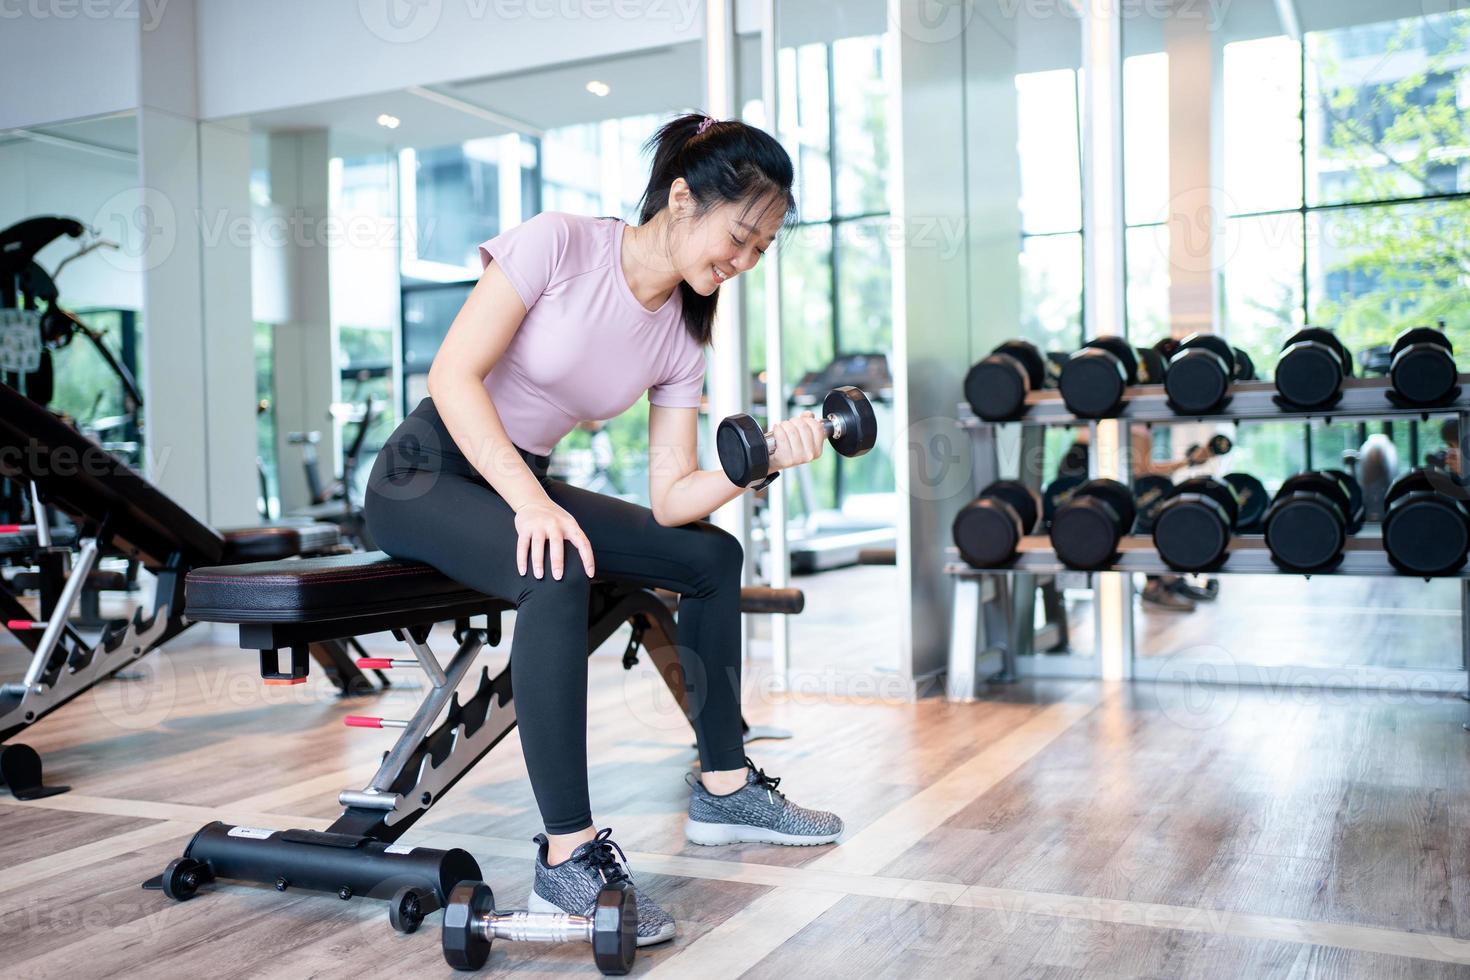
(408, 909)
(182, 878)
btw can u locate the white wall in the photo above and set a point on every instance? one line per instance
(275, 53)
(66, 65)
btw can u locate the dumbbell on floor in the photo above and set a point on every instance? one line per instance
(471, 924)
(1087, 528)
(996, 387)
(1426, 530)
(1193, 528)
(988, 529)
(1311, 369)
(1308, 523)
(1200, 372)
(745, 451)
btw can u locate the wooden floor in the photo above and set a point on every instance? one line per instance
(1064, 829)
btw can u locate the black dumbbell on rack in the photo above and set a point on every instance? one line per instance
(1309, 521)
(1095, 379)
(1201, 370)
(996, 387)
(471, 924)
(1422, 369)
(1426, 524)
(745, 451)
(989, 528)
(1251, 495)
(1311, 369)
(1087, 528)
(1193, 528)
(1149, 494)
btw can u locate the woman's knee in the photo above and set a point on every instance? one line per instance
(573, 587)
(719, 552)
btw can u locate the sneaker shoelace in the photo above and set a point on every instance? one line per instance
(767, 783)
(605, 857)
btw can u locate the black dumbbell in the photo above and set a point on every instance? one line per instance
(1253, 499)
(989, 528)
(1200, 373)
(1218, 445)
(1095, 378)
(1422, 369)
(1057, 493)
(1354, 491)
(1149, 493)
(1245, 368)
(471, 924)
(1086, 529)
(1192, 531)
(1307, 523)
(1152, 366)
(1426, 531)
(745, 451)
(1311, 369)
(997, 386)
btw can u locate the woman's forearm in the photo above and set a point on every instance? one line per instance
(696, 496)
(470, 416)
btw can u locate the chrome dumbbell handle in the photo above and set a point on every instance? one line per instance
(831, 428)
(535, 927)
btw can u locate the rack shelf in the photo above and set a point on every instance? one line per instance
(1251, 401)
(1362, 556)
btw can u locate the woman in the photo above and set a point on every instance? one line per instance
(575, 318)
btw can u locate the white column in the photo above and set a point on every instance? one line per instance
(931, 316)
(196, 310)
(727, 370)
(305, 373)
(778, 557)
(1102, 197)
(1197, 207)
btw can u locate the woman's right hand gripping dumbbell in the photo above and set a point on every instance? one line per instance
(798, 440)
(543, 525)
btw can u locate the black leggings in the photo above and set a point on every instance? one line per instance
(427, 503)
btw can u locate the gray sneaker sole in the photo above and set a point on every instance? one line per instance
(700, 832)
(539, 904)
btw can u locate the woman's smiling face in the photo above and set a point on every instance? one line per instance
(726, 240)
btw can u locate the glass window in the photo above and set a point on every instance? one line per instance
(267, 467)
(861, 122)
(1051, 291)
(1263, 130)
(806, 300)
(1262, 294)
(1386, 109)
(1051, 181)
(1146, 138)
(1146, 250)
(805, 127)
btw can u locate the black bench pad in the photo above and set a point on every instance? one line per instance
(315, 589)
(277, 541)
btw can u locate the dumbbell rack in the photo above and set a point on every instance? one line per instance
(994, 609)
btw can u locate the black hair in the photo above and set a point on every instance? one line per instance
(727, 161)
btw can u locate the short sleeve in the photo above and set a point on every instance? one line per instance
(529, 253)
(683, 386)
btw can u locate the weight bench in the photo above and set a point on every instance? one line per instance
(116, 512)
(281, 607)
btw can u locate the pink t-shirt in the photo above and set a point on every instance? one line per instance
(587, 348)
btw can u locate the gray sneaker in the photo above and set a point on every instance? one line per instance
(755, 814)
(572, 886)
